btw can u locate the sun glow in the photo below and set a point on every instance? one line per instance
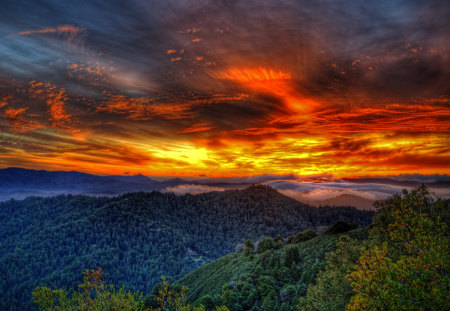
(274, 83)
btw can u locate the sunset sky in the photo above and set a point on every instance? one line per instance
(226, 88)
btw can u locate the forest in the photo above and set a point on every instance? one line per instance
(136, 238)
(401, 262)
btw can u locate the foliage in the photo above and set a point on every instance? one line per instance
(93, 294)
(249, 248)
(271, 280)
(302, 236)
(341, 227)
(292, 255)
(169, 298)
(278, 241)
(332, 291)
(267, 243)
(405, 266)
(418, 279)
(138, 237)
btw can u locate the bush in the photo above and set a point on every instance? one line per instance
(341, 227)
(265, 244)
(279, 241)
(249, 244)
(249, 248)
(292, 255)
(93, 294)
(302, 236)
(208, 302)
(413, 272)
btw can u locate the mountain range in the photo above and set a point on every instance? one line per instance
(19, 183)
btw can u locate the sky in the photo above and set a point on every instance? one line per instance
(226, 88)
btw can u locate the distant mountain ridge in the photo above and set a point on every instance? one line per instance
(15, 178)
(348, 199)
(19, 183)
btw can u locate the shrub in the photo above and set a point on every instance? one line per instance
(292, 255)
(265, 244)
(341, 227)
(302, 236)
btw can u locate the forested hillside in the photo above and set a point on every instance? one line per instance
(136, 238)
(272, 277)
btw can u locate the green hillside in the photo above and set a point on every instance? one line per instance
(139, 237)
(246, 279)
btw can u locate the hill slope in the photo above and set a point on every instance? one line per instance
(138, 237)
(271, 278)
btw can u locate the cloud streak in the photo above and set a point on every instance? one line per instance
(64, 29)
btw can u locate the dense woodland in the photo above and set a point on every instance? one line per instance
(137, 238)
(270, 276)
(401, 262)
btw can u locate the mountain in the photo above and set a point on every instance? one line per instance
(19, 183)
(273, 279)
(136, 238)
(340, 200)
(414, 180)
(348, 199)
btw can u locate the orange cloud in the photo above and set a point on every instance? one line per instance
(55, 99)
(16, 119)
(146, 108)
(423, 117)
(252, 75)
(143, 108)
(4, 100)
(201, 127)
(72, 30)
(271, 82)
(94, 68)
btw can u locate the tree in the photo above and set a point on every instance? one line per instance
(292, 255)
(249, 244)
(332, 291)
(279, 241)
(93, 294)
(341, 227)
(265, 244)
(208, 302)
(415, 277)
(169, 298)
(302, 236)
(249, 248)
